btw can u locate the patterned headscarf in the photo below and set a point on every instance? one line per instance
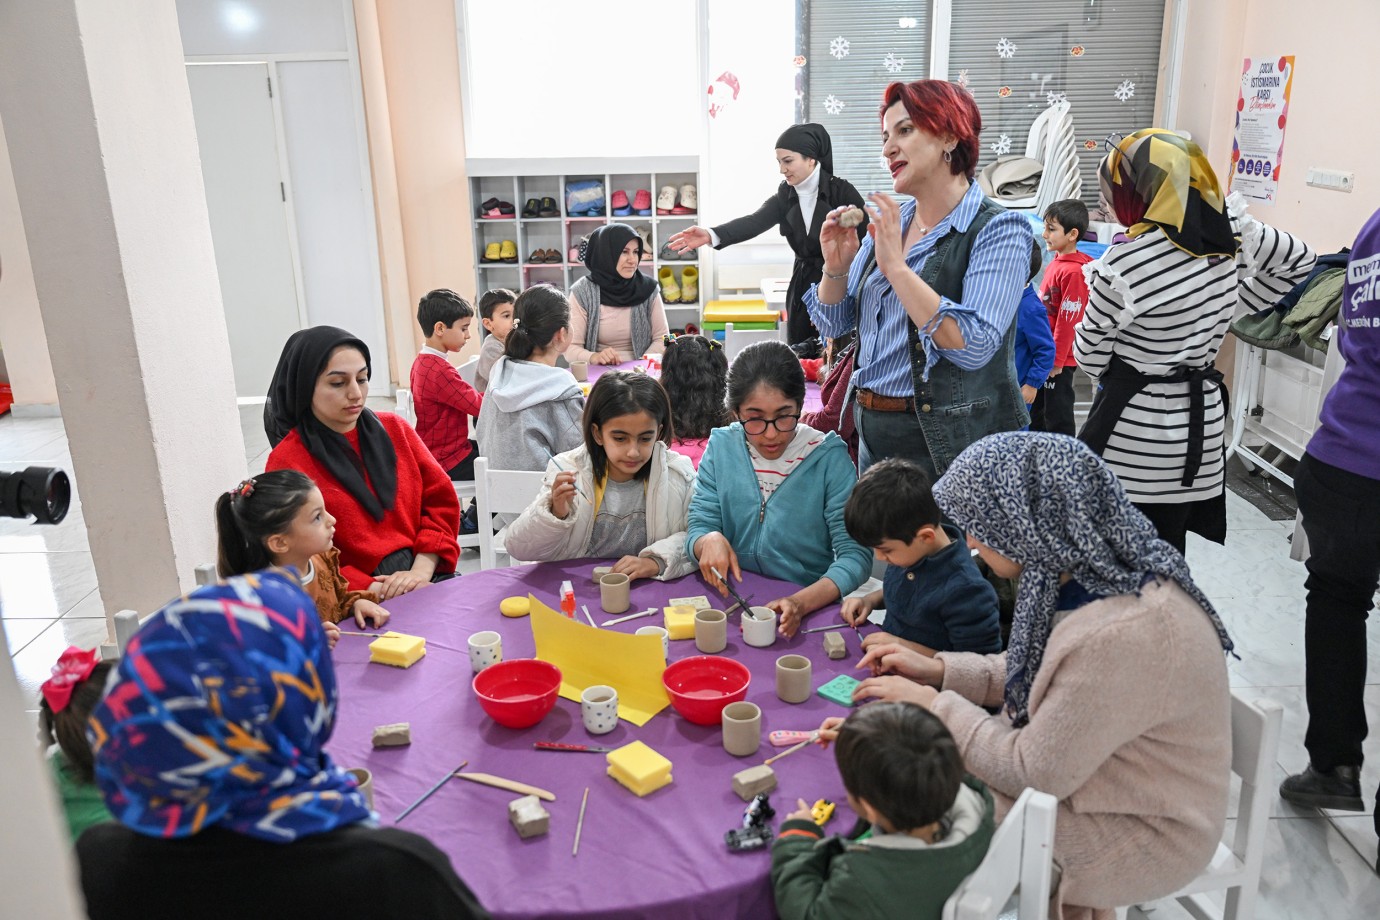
(1049, 503)
(1156, 178)
(217, 716)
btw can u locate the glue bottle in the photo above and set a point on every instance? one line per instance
(567, 599)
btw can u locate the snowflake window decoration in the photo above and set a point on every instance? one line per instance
(893, 64)
(838, 47)
(1002, 145)
(1125, 91)
(1053, 98)
(1006, 48)
(833, 104)
(907, 22)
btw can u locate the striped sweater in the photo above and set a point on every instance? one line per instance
(1160, 309)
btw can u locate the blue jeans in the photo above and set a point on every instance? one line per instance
(890, 434)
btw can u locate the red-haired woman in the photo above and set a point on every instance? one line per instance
(932, 291)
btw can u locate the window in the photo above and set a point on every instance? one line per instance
(1019, 55)
(853, 50)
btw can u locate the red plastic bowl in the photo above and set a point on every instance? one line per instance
(702, 685)
(518, 693)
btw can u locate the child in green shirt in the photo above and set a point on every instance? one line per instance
(69, 697)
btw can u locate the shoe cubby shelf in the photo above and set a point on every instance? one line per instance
(517, 182)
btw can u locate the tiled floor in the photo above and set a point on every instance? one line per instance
(1315, 867)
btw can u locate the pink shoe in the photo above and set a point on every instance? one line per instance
(619, 203)
(642, 202)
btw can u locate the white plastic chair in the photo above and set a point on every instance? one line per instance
(500, 492)
(1254, 744)
(1052, 141)
(735, 340)
(1020, 861)
(469, 370)
(404, 405)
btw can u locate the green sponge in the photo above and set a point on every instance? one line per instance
(839, 690)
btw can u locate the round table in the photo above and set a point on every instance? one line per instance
(663, 855)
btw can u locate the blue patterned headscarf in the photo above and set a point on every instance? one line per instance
(217, 714)
(1049, 503)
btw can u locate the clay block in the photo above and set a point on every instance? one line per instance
(528, 817)
(851, 218)
(395, 735)
(748, 783)
(834, 645)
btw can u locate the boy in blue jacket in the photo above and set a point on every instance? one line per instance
(1034, 339)
(936, 600)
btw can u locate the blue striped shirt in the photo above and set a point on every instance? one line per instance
(998, 270)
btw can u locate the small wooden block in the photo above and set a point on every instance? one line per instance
(395, 735)
(528, 817)
(834, 645)
(748, 783)
(851, 218)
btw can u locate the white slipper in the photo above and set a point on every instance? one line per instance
(666, 200)
(688, 197)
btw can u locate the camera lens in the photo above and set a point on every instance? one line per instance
(40, 491)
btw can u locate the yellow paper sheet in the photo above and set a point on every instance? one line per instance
(632, 665)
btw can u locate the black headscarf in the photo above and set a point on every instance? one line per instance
(601, 255)
(809, 141)
(303, 359)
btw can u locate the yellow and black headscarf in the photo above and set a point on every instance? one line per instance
(1156, 178)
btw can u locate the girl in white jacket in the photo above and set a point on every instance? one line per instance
(621, 495)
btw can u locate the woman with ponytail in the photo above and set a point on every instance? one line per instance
(532, 409)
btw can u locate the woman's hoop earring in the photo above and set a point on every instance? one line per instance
(948, 156)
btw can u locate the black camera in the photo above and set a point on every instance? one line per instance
(40, 491)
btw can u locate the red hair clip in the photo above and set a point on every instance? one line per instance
(244, 489)
(73, 666)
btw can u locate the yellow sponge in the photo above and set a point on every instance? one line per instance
(680, 621)
(515, 607)
(639, 768)
(397, 649)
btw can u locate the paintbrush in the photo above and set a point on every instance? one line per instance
(580, 825)
(564, 470)
(430, 792)
(731, 593)
(791, 750)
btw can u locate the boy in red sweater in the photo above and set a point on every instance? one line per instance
(1065, 293)
(442, 399)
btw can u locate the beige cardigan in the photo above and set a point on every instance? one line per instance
(1130, 728)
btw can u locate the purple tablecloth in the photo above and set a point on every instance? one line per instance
(812, 398)
(661, 856)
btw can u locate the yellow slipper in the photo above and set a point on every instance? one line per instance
(508, 251)
(670, 291)
(492, 253)
(689, 285)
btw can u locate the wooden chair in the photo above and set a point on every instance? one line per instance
(1020, 861)
(1255, 726)
(500, 492)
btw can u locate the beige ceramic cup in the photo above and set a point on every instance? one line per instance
(793, 675)
(742, 724)
(613, 592)
(711, 631)
(365, 780)
(759, 626)
(657, 631)
(580, 370)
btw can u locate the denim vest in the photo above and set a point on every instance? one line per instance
(957, 407)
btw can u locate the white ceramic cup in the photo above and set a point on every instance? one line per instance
(599, 709)
(486, 648)
(759, 626)
(658, 631)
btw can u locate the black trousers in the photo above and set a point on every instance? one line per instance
(464, 470)
(1053, 407)
(1341, 517)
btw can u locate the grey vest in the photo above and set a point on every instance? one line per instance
(957, 407)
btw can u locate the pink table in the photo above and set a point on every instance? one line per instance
(661, 856)
(812, 399)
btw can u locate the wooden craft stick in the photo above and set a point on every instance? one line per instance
(827, 628)
(498, 782)
(585, 608)
(632, 616)
(791, 750)
(580, 823)
(428, 794)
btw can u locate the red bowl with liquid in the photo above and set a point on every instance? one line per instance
(702, 685)
(518, 693)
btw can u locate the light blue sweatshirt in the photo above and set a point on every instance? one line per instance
(798, 534)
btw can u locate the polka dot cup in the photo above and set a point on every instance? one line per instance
(599, 709)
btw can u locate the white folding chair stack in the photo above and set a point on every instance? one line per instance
(1020, 861)
(500, 492)
(1053, 142)
(735, 340)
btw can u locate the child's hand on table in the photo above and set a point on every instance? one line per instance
(801, 813)
(894, 689)
(562, 494)
(636, 567)
(367, 613)
(332, 634)
(855, 610)
(790, 612)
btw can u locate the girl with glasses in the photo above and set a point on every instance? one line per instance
(771, 492)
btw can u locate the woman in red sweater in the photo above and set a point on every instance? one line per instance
(395, 508)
